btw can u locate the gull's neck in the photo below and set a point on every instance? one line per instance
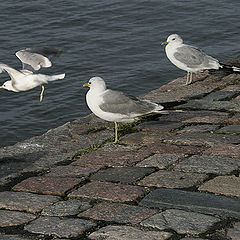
(98, 89)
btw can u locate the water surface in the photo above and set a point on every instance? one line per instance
(117, 40)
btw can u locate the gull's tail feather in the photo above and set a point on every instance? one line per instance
(46, 78)
(236, 69)
(158, 108)
(56, 77)
(230, 67)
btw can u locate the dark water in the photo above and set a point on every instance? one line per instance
(117, 40)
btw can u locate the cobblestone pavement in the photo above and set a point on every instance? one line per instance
(173, 176)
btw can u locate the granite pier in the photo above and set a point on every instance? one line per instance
(173, 176)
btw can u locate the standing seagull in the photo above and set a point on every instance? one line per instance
(115, 106)
(26, 78)
(189, 58)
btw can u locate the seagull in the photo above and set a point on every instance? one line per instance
(116, 106)
(26, 78)
(190, 58)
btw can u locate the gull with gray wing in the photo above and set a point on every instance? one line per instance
(26, 78)
(190, 58)
(116, 106)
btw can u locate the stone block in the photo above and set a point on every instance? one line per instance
(199, 128)
(160, 125)
(231, 129)
(172, 179)
(229, 150)
(122, 174)
(13, 237)
(181, 221)
(115, 192)
(234, 233)
(164, 148)
(208, 164)
(66, 208)
(71, 171)
(111, 159)
(14, 218)
(208, 118)
(161, 160)
(235, 119)
(118, 212)
(28, 202)
(144, 138)
(220, 95)
(48, 185)
(57, 227)
(228, 106)
(126, 233)
(202, 139)
(193, 201)
(226, 185)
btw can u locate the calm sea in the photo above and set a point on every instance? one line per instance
(117, 40)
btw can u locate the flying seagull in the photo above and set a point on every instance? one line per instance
(190, 58)
(25, 79)
(116, 106)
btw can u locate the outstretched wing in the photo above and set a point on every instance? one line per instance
(13, 73)
(118, 102)
(32, 60)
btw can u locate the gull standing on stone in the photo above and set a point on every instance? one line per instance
(115, 106)
(190, 58)
(26, 78)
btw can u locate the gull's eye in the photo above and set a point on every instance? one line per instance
(174, 39)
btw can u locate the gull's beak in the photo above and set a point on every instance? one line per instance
(85, 85)
(163, 43)
(1, 86)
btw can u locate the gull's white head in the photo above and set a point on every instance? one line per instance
(96, 83)
(173, 39)
(8, 86)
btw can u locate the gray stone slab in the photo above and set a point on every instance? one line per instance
(221, 95)
(199, 128)
(55, 226)
(14, 218)
(234, 233)
(127, 233)
(181, 221)
(173, 179)
(232, 129)
(202, 139)
(13, 237)
(226, 185)
(229, 106)
(193, 201)
(192, 238)
(118, 213)
(25, 201)
(175, 91)
(122, 174)
(161, 160)
(209, 164)
(71, 171)
(66, 208)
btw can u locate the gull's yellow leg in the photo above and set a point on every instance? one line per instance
(190, 78)
(187, 78)
(41, 95)
(116, 132)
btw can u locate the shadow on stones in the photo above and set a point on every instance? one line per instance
(13, 164)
